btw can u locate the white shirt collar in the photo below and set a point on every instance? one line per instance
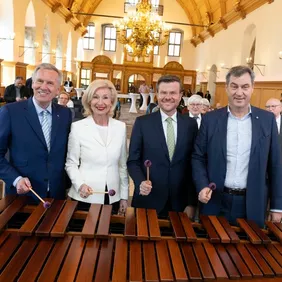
(39, 109)
(165, 116)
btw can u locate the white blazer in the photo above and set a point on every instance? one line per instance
(91, 162)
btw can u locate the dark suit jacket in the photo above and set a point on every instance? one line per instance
(68, 83)
(10, 93)
(21, 133)
(209, 162)
(280, 135)
(170, 180)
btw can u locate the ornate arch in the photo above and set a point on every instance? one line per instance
(102, 60)
(174, 66)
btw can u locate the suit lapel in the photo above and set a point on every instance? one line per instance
(55, 123)
(160, 132)
(222, 131)
(33, 120)
(256, 132)
(93, 130)
(180, 134)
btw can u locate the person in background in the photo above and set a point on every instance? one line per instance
(208, 96)
(274, 105)
(194, 107)
(205, 106)
(237, 148)
(68, 83)
(28, 85)
(16, 92)
(63, 99)
(96, 158)
(218, 106)
(35, 132)
(166, 138)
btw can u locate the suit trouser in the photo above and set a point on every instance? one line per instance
(233, 207)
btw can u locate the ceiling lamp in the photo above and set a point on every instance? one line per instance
(142, 30)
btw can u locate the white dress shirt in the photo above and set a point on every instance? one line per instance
(278, 121)
(198, 120)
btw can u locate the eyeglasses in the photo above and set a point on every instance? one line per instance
(271, 106)
(195, 105)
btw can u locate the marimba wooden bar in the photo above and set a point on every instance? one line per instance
(43, 245)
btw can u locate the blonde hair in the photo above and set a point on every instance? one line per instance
(92, 89)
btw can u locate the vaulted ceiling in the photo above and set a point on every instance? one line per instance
(212, 15)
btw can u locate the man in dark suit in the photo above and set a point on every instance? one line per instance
(274, 105)
(68, 83)
(16, 92)
(208, 95)
(237, 148)
(35, 132)
(166, 138)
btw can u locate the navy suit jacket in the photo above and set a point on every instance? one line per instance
(21, 133)
(209, 163)
(170, 179)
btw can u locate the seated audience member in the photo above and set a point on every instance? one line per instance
(96, 158)
(64, 100)
(28, 85)
(16, 92)
(218, 106)
(1, 98)
(195, 107)
(117, 110)
(68, 83)
(205, 106)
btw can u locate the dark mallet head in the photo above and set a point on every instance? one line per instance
(212, 186)
(147, 163)
(112, 192)
(46, 205)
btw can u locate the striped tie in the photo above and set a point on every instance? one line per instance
(46, 128)
(170, 140)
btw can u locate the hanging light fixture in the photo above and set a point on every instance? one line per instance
(142, 30)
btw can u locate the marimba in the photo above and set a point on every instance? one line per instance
(46, 247)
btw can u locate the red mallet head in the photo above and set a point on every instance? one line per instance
(112, 192)
(212, 186)
(147, 163)
(46, 205)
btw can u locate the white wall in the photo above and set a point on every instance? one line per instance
(117, 9)
(226, 46)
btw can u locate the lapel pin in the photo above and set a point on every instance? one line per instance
(58, 116)
(257, 117)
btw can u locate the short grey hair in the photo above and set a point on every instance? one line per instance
(238, 71)
(195, 99)
(205, 102)
(47, 66)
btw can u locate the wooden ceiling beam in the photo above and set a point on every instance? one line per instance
(187, 12)
(222, 7)
(91, 11)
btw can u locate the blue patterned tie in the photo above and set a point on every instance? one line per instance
(170, 139)
(46, 128)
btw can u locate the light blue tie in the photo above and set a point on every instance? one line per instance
(46, 128)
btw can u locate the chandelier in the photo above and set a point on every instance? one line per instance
(142, 30)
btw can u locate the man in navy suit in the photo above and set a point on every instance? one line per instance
(35, 132)
(166, 138)
(237, 148)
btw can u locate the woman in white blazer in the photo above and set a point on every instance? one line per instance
(96, 158)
